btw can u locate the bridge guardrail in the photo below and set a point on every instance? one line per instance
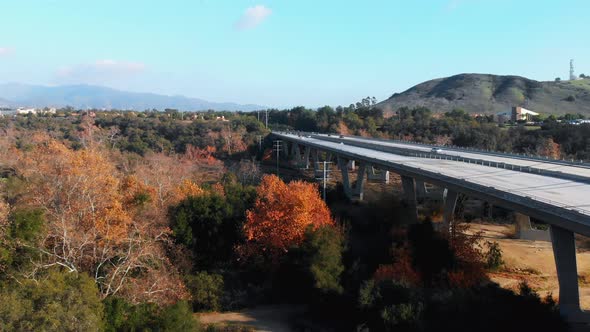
(574, 163)
(483, 162)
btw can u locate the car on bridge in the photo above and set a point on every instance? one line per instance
(436, 150)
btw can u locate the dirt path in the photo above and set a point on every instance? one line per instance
(275, 318)
(532, 261)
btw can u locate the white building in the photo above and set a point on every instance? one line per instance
(518, 114)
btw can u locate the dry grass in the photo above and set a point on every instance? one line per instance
(531, 261)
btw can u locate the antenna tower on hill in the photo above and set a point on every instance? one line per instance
(572, 75)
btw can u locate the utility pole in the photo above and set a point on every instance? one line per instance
(266, 124)
(259, 142)
(277, 147)
(325, 175)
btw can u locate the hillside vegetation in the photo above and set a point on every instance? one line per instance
(483, 93)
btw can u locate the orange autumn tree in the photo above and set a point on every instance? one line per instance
(97, 223)
(280, 217)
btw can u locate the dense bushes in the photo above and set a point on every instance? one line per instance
(206, 291)
(59, 301)
(121, 316)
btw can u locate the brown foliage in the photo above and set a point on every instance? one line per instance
(201, 156)
(469, 270)
(281, 215)
(402, 270)
(548, 148)
(97, 223)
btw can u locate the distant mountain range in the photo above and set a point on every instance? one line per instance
(483, 93)
(90, 96)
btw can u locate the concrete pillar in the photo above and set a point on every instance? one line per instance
(374, 174)
(360, 180)
(523, 224)
(351, 165)
(420, 189)
(564, 252)
(410, 197)
(488, 209)
(296, 153)
(316, 159)
(450, 201)
(285, 148)
(525, 231)
(306, 156)
(342, 165)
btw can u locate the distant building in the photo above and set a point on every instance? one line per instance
(517, 114)
(22, 110)
(522, 114)
(7, 111)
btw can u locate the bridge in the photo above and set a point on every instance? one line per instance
(556, 192)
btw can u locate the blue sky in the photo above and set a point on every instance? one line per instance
(282, 53)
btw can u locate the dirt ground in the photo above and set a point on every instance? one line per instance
(532, 261)
(273, 318)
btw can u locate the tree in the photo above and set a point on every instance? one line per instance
(98, 224)
(558, 79)
(61, 301)
(280, 217)
(206, 290)
(121, 315)
(206, 226)
(323, 249)
(548, 148)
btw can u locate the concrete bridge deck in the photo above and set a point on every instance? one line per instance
(578, 171)
(562, 202)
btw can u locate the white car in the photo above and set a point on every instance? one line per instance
(436, 150)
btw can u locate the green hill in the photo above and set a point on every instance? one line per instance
(484, 93)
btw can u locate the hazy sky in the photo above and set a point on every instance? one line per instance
(287, 52)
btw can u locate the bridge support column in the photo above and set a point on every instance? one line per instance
(360, 181)
(420, 189)
(450, 201)
(306, 157)
(285, 148)
(564, 252)
(296, 152)
(316, 159)
(525, 231)
(351, 165)
(410, 197)
(374, 174)
(342, 165)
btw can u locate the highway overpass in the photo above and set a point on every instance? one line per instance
(555, 192)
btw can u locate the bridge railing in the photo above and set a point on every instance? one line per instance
(506, 166)
(523, 156)
(409, 152)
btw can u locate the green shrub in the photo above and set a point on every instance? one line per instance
(121, 316)
(323, 248)
(206, 225)
(493, 257)
(206, 290)
(178, 317)
(61, 301)
(26, 225)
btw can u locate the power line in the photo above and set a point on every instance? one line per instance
(324, 174)
(277, 147)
